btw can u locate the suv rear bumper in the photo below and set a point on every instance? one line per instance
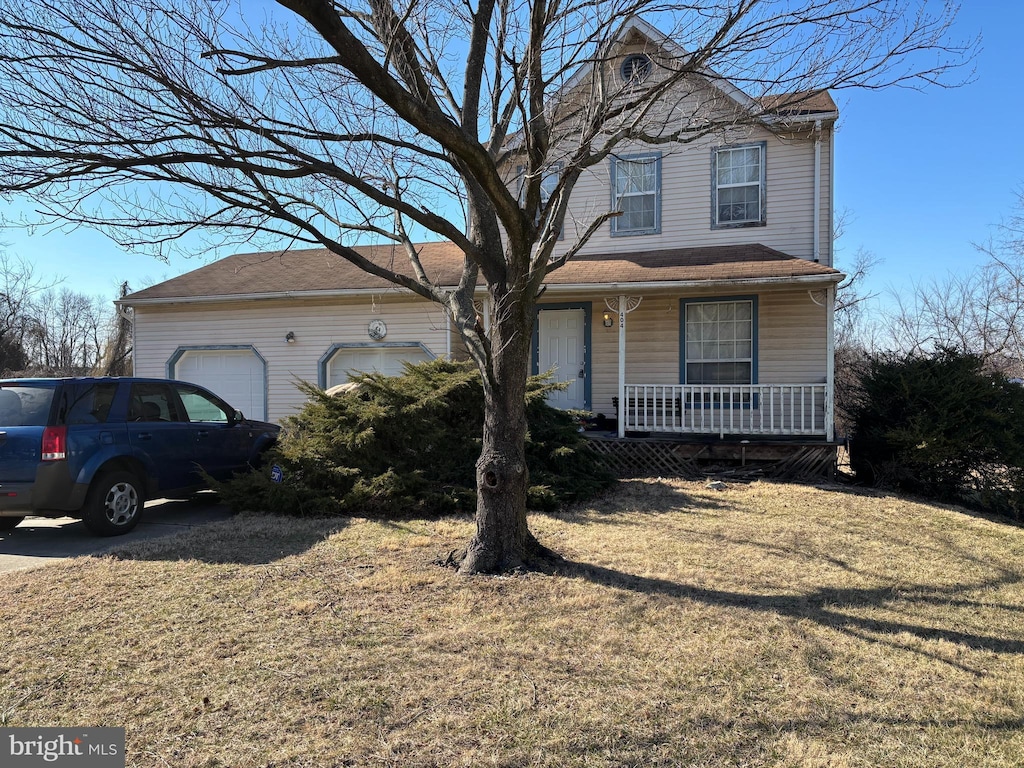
(15, 499)
(52, 491)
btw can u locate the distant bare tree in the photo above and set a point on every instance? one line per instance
(853, 296)
(323, 122)
(67, 332)
(979, 312)
(851, 326)
(116, 359)
(19, 290)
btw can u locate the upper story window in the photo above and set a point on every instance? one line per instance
(636, 191)
(738, 186)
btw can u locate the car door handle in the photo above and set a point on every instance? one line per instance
(145, 435)
(203, 433)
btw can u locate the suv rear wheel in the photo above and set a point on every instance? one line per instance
(114, 504)
(9, 523)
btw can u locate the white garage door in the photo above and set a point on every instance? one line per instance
(386, 360)
(236, 375)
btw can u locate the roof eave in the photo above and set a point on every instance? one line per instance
(834, 277)
(810, 117)
(128, 301)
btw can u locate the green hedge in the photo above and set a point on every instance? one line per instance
(942, 427)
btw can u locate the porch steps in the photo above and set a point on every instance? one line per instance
(651, 456)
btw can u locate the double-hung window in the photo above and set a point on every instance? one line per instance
(720, 349)
(636, 191)
(738, 186)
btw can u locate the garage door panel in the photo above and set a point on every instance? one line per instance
(386, 360)
(237, 376)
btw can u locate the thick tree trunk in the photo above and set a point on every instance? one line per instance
(503, 541)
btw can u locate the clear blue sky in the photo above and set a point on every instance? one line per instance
(926, 174)
(922, 175)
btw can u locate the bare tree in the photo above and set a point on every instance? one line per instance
(853, 296)
(979, 312)
(323, 122)
(116, 359)
(852, 325)
(67, 332)
(19, 290)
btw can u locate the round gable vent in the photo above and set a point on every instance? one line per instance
(636, 67)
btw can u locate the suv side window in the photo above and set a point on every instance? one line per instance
(200, 406)
(152, 402)
(91, 403)
(25, 405)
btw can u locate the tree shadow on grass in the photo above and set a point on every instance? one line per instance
(628, 497)
(828, 606)
(242, 540)
(852, 488)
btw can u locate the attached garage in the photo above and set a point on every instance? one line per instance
(343, 360)
(237, 374)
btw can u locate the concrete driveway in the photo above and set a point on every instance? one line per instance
(38, 541)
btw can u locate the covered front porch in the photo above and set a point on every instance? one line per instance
(719, 338)
(721, 344)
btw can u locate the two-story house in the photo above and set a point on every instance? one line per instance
(704, 309)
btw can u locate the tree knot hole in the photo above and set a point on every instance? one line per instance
(491, 479)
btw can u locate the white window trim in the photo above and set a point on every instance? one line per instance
(752, 359)
(762, 185)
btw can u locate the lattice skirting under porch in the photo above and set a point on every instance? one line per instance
(639, 457)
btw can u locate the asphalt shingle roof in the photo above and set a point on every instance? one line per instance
(318, 270)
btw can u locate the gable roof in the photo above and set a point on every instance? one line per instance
(787, 106)
(319, 273)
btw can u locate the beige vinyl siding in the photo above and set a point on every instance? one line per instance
(827, 195)
(791, 341)
(159, 332)
(686, 199)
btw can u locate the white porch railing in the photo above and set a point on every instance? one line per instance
(733, 409)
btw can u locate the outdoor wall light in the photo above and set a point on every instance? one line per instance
(608, 320)
(290, 337)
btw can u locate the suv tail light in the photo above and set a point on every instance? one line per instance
(55, 444)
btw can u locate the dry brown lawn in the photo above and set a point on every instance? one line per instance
(763, 625)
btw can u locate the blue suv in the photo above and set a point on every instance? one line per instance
(97, 448)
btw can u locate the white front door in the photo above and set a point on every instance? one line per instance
(561, 350)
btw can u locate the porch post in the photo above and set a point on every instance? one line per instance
(622, 365)
(830, 362)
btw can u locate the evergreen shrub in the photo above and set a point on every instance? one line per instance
(400, 446)
(942, 427)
